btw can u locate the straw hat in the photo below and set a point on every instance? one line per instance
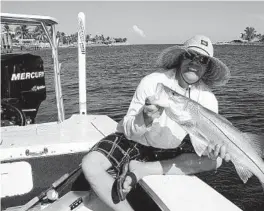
(217, 73)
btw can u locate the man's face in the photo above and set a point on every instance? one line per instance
(193, 66)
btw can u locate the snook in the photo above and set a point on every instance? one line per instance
(208, 128)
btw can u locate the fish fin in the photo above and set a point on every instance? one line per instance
(243, 172)
(257, 142)
(199, 142)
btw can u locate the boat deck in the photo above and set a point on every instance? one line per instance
(73, 135)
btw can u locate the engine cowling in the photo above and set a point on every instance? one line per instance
(22, 86)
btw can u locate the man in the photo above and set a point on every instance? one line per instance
(147, 141)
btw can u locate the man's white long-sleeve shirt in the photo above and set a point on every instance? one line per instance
(164, 132)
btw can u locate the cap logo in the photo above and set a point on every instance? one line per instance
(203, 42)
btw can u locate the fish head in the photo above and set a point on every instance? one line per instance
(174, 103)
(166, 97)
(161, 97)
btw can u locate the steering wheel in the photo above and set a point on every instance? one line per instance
(11, 115)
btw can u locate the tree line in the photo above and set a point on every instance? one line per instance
(68, 39)
(251, 34)
(37, 33)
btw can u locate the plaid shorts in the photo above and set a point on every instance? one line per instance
(118, 149)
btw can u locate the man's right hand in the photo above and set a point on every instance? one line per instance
(151, 111)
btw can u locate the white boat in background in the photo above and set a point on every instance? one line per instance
(43, 159)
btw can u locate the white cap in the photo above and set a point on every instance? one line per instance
(200, 44)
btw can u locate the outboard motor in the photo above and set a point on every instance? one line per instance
(22, 88)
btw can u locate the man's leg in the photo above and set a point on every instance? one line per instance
(95, 166)
(184, 164)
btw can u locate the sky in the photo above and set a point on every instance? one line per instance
(150, 22)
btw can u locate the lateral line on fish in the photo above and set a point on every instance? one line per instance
(232, 142)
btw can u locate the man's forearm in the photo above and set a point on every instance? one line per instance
(134, 127)
(188, 163)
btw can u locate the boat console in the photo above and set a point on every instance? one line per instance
(22, 88)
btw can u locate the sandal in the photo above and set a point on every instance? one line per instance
(117, 189)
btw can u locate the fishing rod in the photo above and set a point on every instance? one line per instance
(54, 186)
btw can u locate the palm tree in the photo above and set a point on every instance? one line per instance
(68, 39)
(8, 35)
(58, 35)
(22, 32)
(96, 38)
(63, 37)
(73, 37)
(101, 37)
(40, 34)
(6, 29)
(88, 37)
(260, 37)
(250, 34)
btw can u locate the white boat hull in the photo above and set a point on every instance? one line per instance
(34, 156)
(155, 193)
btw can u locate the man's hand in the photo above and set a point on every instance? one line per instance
(151, 111)
(218, 153)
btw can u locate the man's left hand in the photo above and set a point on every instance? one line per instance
(218, 153)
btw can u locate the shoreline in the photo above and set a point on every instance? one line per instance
(94, 45)
(33, 48)
(236, 43)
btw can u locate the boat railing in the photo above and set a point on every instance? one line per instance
(44, 21)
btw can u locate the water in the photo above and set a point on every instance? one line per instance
(114, 72)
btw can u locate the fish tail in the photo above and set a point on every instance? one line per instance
(242, 171)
